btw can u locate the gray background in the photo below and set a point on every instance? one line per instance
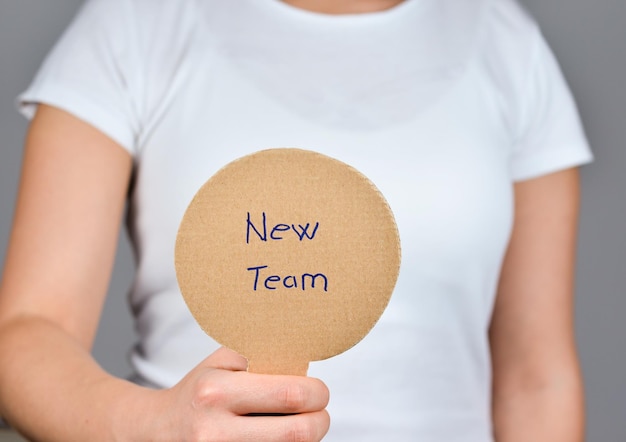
(589, 38)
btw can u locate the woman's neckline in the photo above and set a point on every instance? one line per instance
(321, 18)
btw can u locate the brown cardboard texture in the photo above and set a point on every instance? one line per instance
(287, 256)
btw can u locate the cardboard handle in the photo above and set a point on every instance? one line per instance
(295, 368)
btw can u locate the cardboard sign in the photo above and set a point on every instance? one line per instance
(287, 256)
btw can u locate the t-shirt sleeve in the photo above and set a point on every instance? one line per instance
(550, 135)
(92, 72)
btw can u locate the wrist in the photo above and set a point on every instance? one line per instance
(133, 412)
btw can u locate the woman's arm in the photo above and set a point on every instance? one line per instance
(538, 393)
(72, 193)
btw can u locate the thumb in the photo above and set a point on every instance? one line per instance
(225, 359)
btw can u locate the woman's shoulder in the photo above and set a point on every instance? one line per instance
(511, 46)
(148, 17)
(508, 28)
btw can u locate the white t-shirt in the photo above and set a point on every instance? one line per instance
(443, 104)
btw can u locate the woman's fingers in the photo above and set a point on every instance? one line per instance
(225, 359)
(243, 393)
(251, 393)
(219, 400)
(297, 427)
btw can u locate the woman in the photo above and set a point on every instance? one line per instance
(455, 109)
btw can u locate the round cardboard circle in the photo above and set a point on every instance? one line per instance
(287, 256)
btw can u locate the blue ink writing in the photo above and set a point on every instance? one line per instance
(304, 231)
(272, 282)
(276, 233)
(262, 278)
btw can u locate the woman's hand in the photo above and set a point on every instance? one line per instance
(219, 401)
